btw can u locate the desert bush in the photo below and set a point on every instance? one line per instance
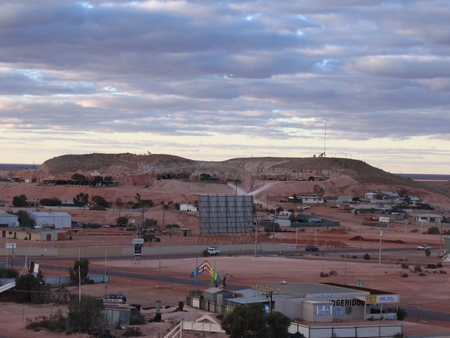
(401, 314)
(414, 230)
(132, 332)
(367, 257)
(323, 274)
(442, 272)
(205, 253)
(431, 266)
(354, 257)
(417, 268)
(9, 273)
(54, 323)
(439, 265)
(405, 266)
(428, 252)
(422, 274)
(433, 231)
(404, 275)
(333, 273)
(137, 320)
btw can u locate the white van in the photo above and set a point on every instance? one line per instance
(213, 250)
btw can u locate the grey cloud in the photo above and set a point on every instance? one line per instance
(369, 69)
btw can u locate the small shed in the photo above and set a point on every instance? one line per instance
(216, 295)
(8, 220)
(57, 219)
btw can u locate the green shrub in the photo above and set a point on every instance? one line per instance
(8, 273)
(54, 323)
(433, 231)
(132, 332)
(137, 320)
(427, 252)
(401, 314)
(205, 253)
(354, 257)
(367, 257)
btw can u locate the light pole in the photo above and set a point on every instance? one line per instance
(381, 236)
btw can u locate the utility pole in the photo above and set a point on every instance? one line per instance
(381, 236)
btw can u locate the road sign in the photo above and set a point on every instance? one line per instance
(137, 250)
(138, 241)
(10, 245)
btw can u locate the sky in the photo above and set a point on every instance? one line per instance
(214, 80)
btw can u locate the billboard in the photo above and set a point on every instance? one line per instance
(225, 214)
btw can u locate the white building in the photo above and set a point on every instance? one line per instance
(58, 220)
(314, 302)
(306, 199)
(188, 207)
(8, 220)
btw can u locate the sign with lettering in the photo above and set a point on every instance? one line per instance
(387, 298)
(347, 302)
(138, 241)
(10, 245)
(371, 299)
(324, 310)
(319, 295)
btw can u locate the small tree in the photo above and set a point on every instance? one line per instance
(8, 273)
(279, 324)
(27, 289)
(83, 266)
(401, 314)
(246, 321)
(100, 201)
(252, 321)
(86, 314)
(20, 201)
(123, 220)
(81, 200)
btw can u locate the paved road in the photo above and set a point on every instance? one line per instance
(55, 262)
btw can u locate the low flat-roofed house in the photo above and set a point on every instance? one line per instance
(8, 220)
(306, 199)
(426, 218)
(188, 207)
(19, 233)
(327, 302)
(216, 295)
(58, 220)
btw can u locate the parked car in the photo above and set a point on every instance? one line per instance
(303, 207)
(213, 250)
(424, 247)
(311, 248)
(114, 298)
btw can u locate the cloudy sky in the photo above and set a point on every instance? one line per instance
(210, 80)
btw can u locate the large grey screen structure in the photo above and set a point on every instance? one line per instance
(226, 219)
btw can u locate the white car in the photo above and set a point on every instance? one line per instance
(213, 250)
(303, 207)
(424, 247)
